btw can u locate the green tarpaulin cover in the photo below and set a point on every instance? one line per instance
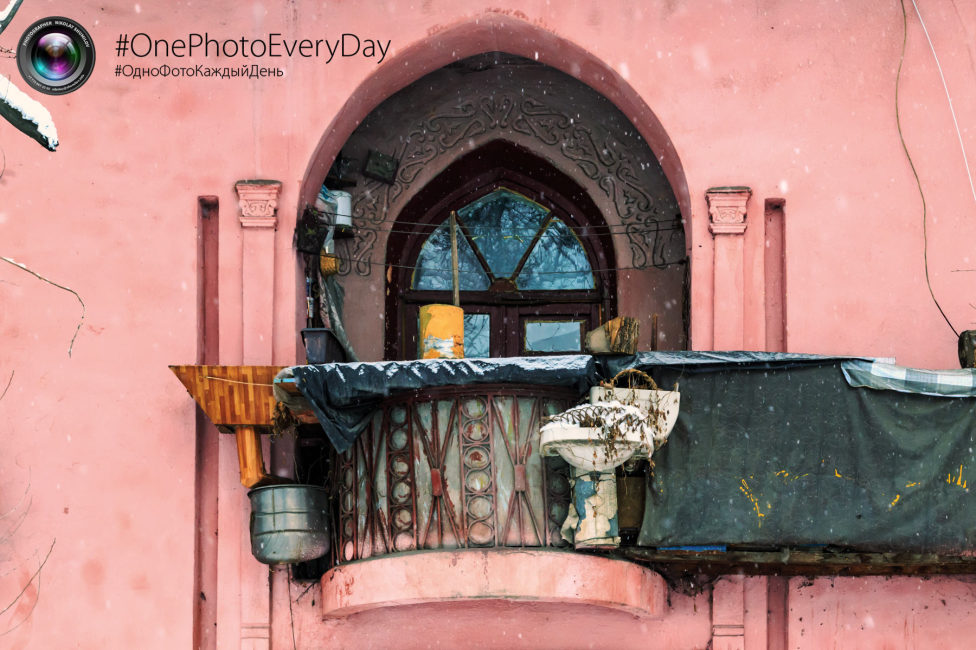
(770, 449)
(793, 455)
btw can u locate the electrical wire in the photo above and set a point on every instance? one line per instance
(918, 182)
(683, 260)
(952, 111)
(531, 229)
(595, 229)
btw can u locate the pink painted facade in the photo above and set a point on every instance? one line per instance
(141, 527)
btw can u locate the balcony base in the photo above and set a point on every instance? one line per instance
(538, 576)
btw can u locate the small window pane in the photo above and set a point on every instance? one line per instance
(553, 336)
(477, 339)
(502, 225)
(433, 272)
(558, 261)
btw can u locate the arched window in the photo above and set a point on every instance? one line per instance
(533, 258)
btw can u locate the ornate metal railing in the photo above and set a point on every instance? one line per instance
(453, 467)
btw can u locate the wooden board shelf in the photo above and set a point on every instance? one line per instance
(232, 395)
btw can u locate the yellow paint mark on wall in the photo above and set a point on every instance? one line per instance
(839, 475)
(912, 484)
(897, 497)
(746, 490)
(789, 478)
(958, 479)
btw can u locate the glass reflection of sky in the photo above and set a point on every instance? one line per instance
(502, 226)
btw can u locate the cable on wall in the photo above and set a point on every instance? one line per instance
(918, 182)
(952, 111)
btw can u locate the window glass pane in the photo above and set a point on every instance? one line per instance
(433, 270)
(502, 225)
(477, 328)
(553, 336)
(558, 261)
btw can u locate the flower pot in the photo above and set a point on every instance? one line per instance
(289, 523)
(322, 346)
(664, 403)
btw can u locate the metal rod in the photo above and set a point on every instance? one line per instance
(454, 259)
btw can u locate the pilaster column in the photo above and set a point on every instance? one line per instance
(258, 201)
(727, 223)
(728, 614)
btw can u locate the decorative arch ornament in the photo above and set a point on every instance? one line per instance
(649, 225)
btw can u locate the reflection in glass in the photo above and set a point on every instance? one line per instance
(502, 225)
(433, 270)
(558, 261)
(477, 328)
(553, 336)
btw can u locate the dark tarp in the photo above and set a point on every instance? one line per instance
(795, 456)
(343, 396)
(770, 449)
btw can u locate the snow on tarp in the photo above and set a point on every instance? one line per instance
(342, 395)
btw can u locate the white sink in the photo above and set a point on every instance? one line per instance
(586, 448)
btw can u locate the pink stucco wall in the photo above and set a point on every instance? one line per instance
(795, 100)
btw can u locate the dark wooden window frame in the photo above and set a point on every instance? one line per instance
(496, 165)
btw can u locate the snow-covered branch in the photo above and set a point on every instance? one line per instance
(27, 114)
(8, 14)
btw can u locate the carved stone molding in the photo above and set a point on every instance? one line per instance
(620, 170)
(258, 201)
(727, 209)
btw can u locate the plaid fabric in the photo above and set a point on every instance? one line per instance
(885, 376)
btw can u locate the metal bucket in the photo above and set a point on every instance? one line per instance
(289, 523)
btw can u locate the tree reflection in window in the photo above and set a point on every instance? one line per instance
(477, 328)
(433, 272)
(506, 236)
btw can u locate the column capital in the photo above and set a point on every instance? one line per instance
(727, 209)
(258, 200)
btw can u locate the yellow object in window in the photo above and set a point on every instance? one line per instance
(442, 332)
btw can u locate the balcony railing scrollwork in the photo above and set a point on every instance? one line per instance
(455, 467)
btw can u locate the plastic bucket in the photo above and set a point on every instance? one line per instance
(441, 332)
(289, 523)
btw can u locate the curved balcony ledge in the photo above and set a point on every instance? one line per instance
(540, 576)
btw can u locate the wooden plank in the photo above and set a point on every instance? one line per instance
(290, 386)
(298, 405)
(231, 395)
(249, 456)
(802, 562)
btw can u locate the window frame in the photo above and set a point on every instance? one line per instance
(495, 166)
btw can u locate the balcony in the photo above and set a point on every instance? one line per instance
(443, 497)
(779, 464)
